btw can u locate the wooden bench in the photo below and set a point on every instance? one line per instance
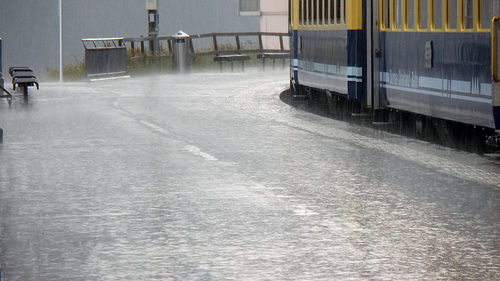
(273, 56)
(232, 58)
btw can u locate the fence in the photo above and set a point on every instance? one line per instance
(109, 55)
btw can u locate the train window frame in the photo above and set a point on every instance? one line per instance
(426, 17)
(311, 19)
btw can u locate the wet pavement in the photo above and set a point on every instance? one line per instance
(211, 177)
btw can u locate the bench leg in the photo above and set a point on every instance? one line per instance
(220, 66)
(263, 64)
(232, 66)
(242, 66)
(274, 64)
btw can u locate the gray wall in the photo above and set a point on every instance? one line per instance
(30, 28)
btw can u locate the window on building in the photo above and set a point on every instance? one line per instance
(423, 18)
(485, 13)
(250, 7)
(452, 14)
(437, 14)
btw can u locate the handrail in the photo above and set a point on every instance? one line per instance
(494, 67)
(214, 49)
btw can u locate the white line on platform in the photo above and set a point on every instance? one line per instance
(109, 78)
(197, 151)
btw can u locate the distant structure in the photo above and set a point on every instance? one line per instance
(273, 18)
(32, 38)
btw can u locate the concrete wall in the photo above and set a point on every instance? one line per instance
(274, 19)
(30, 28)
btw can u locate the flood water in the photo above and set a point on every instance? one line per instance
(211, 177)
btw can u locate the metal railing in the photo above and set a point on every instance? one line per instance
(109, 55)
(217, 44)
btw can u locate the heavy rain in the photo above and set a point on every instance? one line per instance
(151, 174)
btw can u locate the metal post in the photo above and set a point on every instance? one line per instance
(181, 52)
(1, 69)
(495, 32)
(60, 43)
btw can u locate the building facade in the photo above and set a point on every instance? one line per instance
(30, 28)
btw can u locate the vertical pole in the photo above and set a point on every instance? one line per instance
(60, 43)
(495, 51)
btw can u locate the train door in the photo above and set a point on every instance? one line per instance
(373, 54)
(495, 63)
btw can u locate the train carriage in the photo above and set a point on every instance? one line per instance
(434, 58)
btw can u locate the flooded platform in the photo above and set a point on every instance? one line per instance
(211, 177)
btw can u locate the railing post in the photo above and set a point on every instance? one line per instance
(132, 49)
(281, 43)
(237, 38)
(261, 46)
(143, 52)
(214, 40)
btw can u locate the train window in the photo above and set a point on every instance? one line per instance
(309, 11)
(423, 19)
(337, 10)
(485, 13)
(320, 11)
(315, 11)
(301, 11)
(437, 14)
(386, 14)
(452, 14)
(344, 11)
(325, 12)
(332, 11)
(399, 13)
(410, 14)
(468, 14)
